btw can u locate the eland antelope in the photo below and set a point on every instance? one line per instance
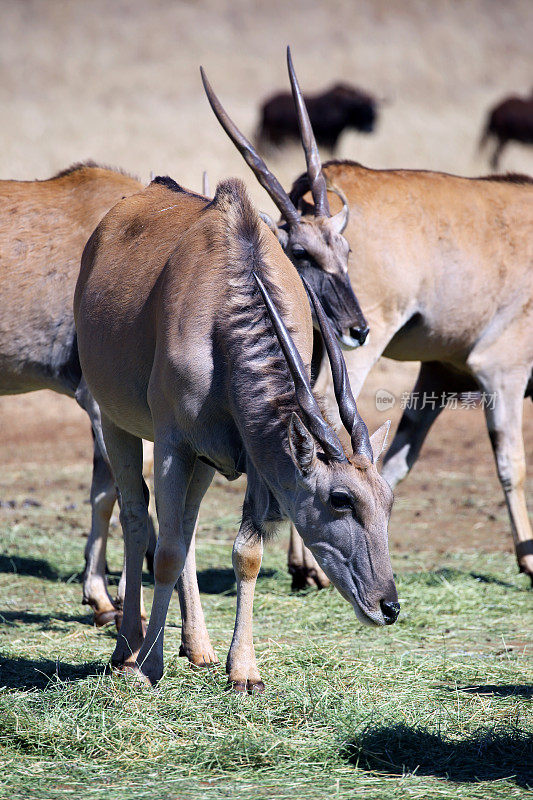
(194, 331)
(443, 268)
(44, 226)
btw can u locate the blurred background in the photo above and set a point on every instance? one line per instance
(119, 82)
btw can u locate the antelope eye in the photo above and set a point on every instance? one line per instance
(341, 501)
(299, 252)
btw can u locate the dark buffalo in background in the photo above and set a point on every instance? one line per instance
(339, 107)
(510, 120)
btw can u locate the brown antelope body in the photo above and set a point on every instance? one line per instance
(180, 342)
(44, 226)
(443, 269)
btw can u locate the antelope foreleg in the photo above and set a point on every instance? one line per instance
(241, 665)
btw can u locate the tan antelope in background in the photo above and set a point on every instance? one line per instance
(443, 269)
(180, 342)
(44, 226)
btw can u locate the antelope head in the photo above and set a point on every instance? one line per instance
(338, 502)
(315, 245)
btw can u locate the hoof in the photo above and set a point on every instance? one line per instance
(207, 659)
(247, 687)
(524, 555)
(238, 686)
(255, 687)
(103, 618)
(133, 673)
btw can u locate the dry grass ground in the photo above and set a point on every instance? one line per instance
(426, 709)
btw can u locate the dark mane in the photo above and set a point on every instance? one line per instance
(300, 187)
(90, 164)
(170, 183)
(253, 345)
(301, 184)
(510, 177)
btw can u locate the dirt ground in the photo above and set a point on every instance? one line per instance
(119, 83)
(451, 501)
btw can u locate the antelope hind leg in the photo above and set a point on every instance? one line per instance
(195, 642)
(125, 455)
(505, 389)
(433, 380)
(103, 496)
(180, 488)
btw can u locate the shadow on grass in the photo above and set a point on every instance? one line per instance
(501, 690)
(39, 568)
(487, 755)
(494, 581)
(36, 567)
(27, 673)
(452, 575)
(222, 581)
(46, 621)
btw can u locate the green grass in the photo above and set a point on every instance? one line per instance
(438, 705)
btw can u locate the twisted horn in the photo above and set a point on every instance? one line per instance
(313, 417)
(349, 414)
(267, 180)
(314, 167)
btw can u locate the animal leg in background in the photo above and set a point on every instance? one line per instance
(303, 566)
(241, 665)
(505, 391)
(103, 496)
(433, 379)
(495, 159)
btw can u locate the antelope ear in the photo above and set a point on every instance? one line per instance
(301, 443)
(340, 220)
(378, 439)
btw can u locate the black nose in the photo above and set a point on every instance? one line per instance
(390, 611)
(359, 334)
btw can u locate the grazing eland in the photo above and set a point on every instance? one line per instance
(194, 331)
